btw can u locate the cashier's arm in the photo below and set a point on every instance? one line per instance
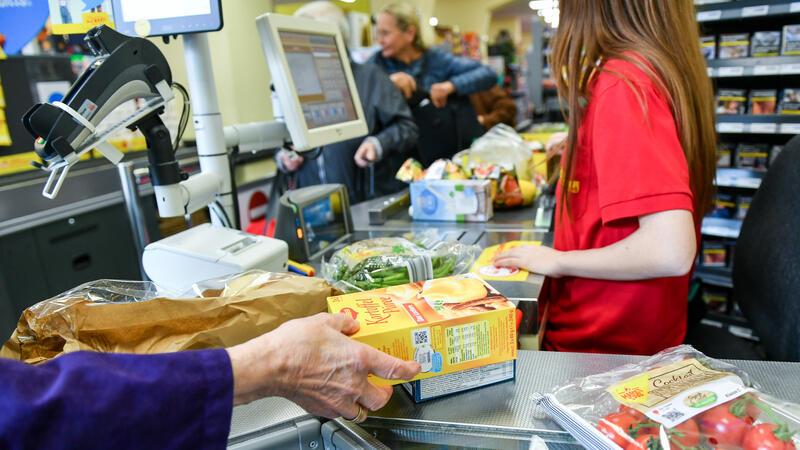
(314, 363)
(664, 246)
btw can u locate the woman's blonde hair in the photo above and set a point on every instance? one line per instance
(406, 16)
(665, 35)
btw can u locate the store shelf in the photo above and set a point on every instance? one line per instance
(718, 227)
(744, 10)
(754, 67)
(766, 124)
(715, 276)
(739, 178)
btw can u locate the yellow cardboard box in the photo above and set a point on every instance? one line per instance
(447, 325)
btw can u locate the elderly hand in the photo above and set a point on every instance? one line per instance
(405, 82)
(440, 92)
(533, 258)
(313, 363)
(366, 154)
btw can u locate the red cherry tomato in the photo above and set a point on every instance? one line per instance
(767, 436)
(616, 427)
(633, 412)
(645, 442)
(686, 434)
(722, 428)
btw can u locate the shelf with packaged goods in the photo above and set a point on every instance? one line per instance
(759, 124)
(747, 9)
(720, 227)
(754, 67)
(738, 178)
(715, 276)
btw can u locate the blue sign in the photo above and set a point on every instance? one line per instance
(21, 21)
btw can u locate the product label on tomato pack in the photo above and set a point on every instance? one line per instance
(677, 392)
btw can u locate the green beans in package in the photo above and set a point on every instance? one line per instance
(391, 261)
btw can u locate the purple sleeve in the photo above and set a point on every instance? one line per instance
(116, 401)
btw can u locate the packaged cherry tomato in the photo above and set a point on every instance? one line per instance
(677, 399)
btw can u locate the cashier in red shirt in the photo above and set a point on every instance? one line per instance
(636, 178)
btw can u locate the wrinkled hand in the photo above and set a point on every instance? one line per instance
(405, 82)
(291, 161)
(533, 258)
(366, 154)
(440, 92)
(312, 362)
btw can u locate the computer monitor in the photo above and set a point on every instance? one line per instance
(166, 17)
(313, 81)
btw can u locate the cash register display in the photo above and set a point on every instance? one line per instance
(171, 17)
(324, 222)
(319, 77)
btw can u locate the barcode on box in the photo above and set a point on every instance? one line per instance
(673, 416)
(421, 336)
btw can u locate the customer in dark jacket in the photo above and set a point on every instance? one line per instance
(367, 166)
(408, 62)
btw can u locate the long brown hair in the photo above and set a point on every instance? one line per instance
(665, 34)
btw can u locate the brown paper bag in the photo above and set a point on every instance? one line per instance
(131, 317)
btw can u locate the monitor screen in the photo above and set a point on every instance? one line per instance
(159, 17)
(319, 77)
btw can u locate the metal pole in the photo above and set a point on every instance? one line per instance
(209, 132)
(130, 191)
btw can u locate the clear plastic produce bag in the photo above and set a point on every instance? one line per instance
(677, 399)
(382, 262)
(502, 146)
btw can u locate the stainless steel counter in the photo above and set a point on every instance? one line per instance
(499, 416)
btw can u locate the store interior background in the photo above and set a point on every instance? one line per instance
(242, 83)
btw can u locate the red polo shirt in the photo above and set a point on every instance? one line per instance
(629, 163)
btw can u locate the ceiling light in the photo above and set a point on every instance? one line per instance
(433, 21)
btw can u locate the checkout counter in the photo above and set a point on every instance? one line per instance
(502, 416)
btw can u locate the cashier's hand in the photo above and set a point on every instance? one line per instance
(366, 154)
(533, 258)
(314, 363)
(405, 82)
(440, 92)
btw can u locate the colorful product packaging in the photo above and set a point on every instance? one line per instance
(752, 156)
(790, 102)
(452, 200)
(716, 299)
(742, 206)
(676, 399)
(447, 325)
(765, 43)
(731, 101)
(708, 47)
(791, 40)
(734, 45)
(715, 254)
(763, 101)
(724, 206)
(725, 152)
(467, 380)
